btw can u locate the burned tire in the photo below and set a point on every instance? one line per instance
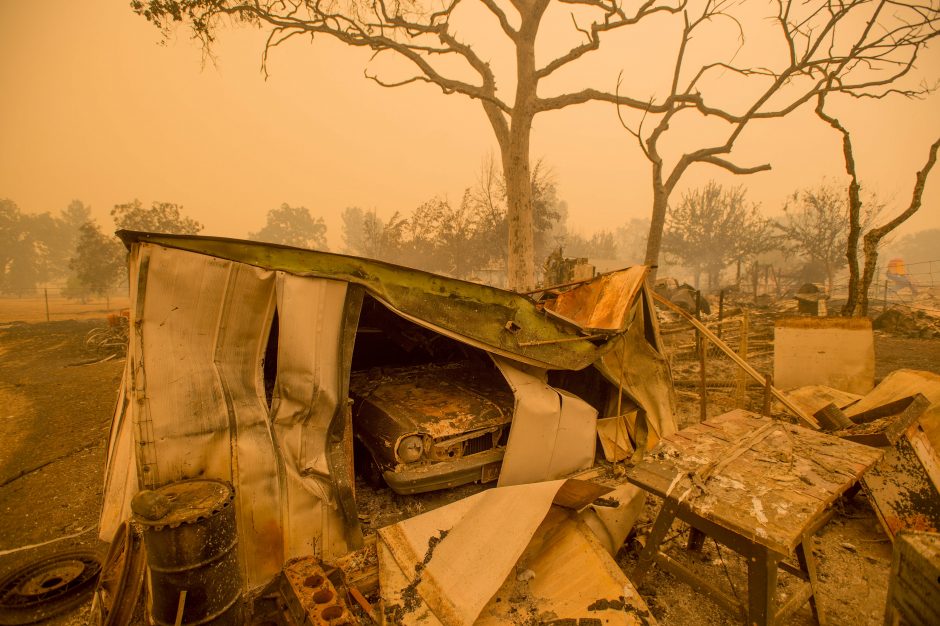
(48, 587)
(366, 467)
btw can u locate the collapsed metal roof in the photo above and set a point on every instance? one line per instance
(496, 320)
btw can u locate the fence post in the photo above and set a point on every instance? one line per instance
(768, 394)
(703, 390)
(741, 391)
(700, 340)
(46, 290)
(721, 310)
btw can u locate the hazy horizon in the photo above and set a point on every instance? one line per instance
(95, 109)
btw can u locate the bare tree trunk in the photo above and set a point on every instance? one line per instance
(657, 222)
(870, 248)
(521, 262)
(850, 307)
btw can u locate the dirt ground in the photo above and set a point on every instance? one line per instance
(54, 419)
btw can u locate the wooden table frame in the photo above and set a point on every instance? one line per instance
(762, 565)
(761, 487)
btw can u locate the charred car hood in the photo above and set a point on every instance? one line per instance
(439, 401)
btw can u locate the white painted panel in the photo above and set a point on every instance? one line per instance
(310, 314)
(836, 352)
(181, 417)
(552, 433)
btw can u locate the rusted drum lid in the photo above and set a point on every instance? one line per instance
(182, 502)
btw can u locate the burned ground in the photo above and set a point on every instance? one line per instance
(54, 425)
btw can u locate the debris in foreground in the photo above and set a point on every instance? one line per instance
(759, 486)
(512, 550)
(914, 587)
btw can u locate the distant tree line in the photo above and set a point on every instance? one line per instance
(707, 231)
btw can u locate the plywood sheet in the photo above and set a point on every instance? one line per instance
(460, 564)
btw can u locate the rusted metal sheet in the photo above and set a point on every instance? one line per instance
(603, 304)
(903, 485)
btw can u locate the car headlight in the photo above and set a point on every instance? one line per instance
(410, 449)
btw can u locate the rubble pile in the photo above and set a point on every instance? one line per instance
(908, 322)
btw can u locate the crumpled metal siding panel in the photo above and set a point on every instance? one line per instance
(306, 398)
(552, 432)
(200, 409)
(243, 325)
(180, 412)
(120, 480)
(197, 405)
(121, 474)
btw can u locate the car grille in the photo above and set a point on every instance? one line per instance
(478, 444)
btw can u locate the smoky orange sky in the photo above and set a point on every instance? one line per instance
(94, 107)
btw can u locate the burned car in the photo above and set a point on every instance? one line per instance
(428, 412)
(432, 427)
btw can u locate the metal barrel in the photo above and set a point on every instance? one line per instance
(190, 537)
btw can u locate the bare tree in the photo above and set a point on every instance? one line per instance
(815, 47)
(425, 36)
(873, 237)
(856, 303)
(712, 227)
(816, 226)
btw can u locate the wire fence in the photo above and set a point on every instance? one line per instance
(708, 381)
(917, 290)
(49, 304)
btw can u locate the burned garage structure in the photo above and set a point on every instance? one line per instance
(285, 372)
